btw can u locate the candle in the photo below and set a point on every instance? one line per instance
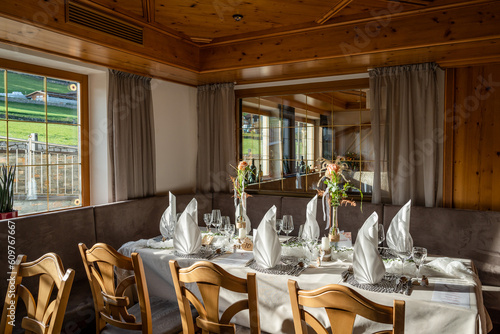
(325, 243)
(242, 233)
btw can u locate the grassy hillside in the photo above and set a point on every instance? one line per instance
(27, 83)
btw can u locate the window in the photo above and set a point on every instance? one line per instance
(284, 138)
(43, 119)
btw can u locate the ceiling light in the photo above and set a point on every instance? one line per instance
(237, 17)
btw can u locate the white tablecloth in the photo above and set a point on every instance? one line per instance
(422, 314)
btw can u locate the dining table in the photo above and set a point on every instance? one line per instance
(448, 304)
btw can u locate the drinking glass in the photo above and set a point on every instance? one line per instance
(207, 218)
(311, 243)
(419, 254)
(404, 254)
(216, 219)
(279, 224)
(229, 229)
(381, 234)
(171, 227)
(287, 224)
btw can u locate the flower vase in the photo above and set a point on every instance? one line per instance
(334, 224)
(241, 224)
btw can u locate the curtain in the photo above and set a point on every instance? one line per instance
(407, 117)
(130, 136)
(216, 137)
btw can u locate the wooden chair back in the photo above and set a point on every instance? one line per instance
(342, 304)
(210, 278)
(110, 301)
(43, 315)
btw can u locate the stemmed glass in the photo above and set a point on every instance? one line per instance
(311, 244)
(404, 253)
(279, 224)
(381, 234)
(216, 219)
(171, 227)
(287, 224)
(229, 229)
(207, 218)
(419, 255)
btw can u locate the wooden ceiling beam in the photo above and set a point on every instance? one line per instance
(455, 26)
(339, 5)
(285, 100)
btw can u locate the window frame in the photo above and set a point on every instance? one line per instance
(362, 83)
(17, 66)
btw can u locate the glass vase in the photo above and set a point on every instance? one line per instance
(334, 224)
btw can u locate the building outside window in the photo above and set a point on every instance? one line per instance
(41, 119)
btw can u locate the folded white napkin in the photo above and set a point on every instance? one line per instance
(453, 268)
(187, 237)
(311, 227)
(169, 213)
(266, 244)
(245, 217)
(367, 263)
(398, 235)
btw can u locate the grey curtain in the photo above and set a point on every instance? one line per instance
(130, 136)
(407, 123)
(216, 137)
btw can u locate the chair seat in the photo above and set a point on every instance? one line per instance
(165, 316)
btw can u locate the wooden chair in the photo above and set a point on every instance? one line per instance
(342, 304)
(113, 307)
(210, 278)
(43, 315)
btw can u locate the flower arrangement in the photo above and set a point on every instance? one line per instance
(352, 160)
(335, 193)
(243, 172)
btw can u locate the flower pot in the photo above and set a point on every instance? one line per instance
(8, 215)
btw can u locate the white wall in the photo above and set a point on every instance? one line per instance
(98, 140)
(176, 136)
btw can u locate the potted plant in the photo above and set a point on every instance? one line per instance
(7, 176)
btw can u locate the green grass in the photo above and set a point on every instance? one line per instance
(26, 83)
(36, 112)
(58, 133)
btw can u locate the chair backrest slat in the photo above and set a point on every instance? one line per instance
(342, 304)
(110, 302)
(210, 278)
(43, 315)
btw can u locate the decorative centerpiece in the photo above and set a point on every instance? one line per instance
(335, 193)
(243, 173)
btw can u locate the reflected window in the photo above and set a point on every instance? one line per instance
(286, 138)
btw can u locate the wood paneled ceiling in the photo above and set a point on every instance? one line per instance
(198, 41)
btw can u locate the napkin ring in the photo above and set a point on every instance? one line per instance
(241, 225)
(328, 255)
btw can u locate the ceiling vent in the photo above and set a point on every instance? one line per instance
(91, 19)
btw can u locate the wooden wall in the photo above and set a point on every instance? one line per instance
(472, 138)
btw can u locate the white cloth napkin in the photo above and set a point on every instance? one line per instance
(266, 244)
(187, 237)
(311, 227)
(398, 235)
(453, 268)
(245, 217)
(367, 263)
(169, 212)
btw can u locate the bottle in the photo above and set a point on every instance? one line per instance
(252, 177)
(261, 173)
(302, 166)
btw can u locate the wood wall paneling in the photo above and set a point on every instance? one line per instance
(475, 155)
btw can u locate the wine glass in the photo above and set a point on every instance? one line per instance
(279, 224)
(171, 227)
(381, 234)
(404, 253)
(311, 244)
(287, 224)
(419, 255)
(216, 218)
(229, 229)
(207, 218)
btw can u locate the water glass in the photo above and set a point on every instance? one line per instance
(229, 229)
(279, 225)
(419, 255)
(216, 218)
(381, 234)
(403, 254)
(287, 224)
(171, 227)
(207, 218)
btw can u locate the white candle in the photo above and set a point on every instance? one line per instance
(325, 243)
(242, 233)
